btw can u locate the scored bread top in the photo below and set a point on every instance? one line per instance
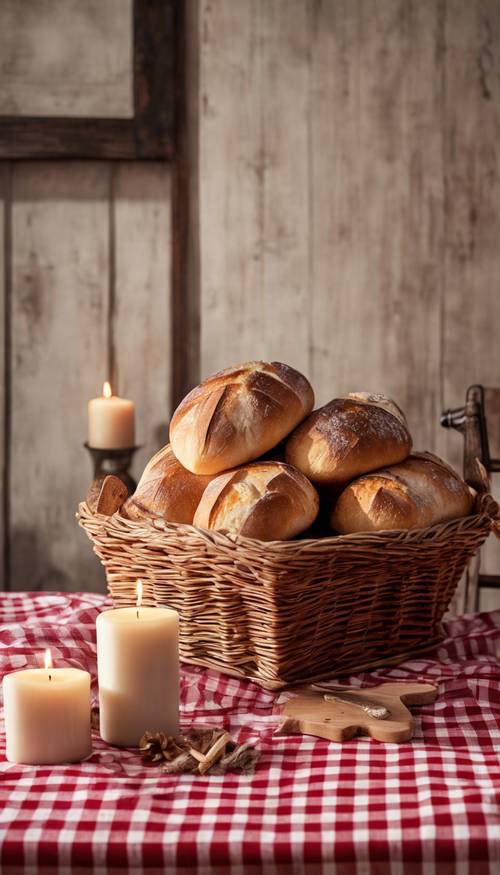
(379, 401)
(421, 491)
(237, 414)
(348, 437)
(265, 500)
(166, 491)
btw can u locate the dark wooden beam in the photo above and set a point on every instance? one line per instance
(149, 134)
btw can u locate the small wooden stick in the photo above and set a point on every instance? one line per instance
(214, 753)
(197, 755)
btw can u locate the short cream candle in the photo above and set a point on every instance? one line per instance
(47, 715)
(111, 421)
(138, 669)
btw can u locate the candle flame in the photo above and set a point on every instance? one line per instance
(138, 591)
(106, 390)
(48, 659)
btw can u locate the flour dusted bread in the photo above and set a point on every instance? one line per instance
(238, 414)
(419, 492)
(348, 437)
(379, 401)
(265, 500)
(166, 491)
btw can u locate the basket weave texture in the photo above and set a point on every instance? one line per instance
(287, 612)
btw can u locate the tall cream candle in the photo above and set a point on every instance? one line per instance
(111, 421)
(47, 715)
(138, 669)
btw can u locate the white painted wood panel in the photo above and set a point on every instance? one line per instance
(471, 351)
(376, 204)
(4, 272)
(66, 58)
(231, 180)
(470, 347)
(253, 199)
(58, 327)
(84, 235)
(285, 163)
(322, 194)
(349, 178)
(348, 190)
(141, 326)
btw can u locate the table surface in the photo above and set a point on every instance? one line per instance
(429, 806)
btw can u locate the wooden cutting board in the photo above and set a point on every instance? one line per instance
(340, 719)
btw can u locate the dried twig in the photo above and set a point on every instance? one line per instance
(200, 751)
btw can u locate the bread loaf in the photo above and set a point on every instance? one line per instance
(419, 492)
(348, 437)
(166, 491)
(237, 415)
(379, 401)
(265, 500)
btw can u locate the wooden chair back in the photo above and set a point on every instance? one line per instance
(479, 423)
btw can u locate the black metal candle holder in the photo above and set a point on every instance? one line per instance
(117, 462)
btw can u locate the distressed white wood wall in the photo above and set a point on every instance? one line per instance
(88, 249)
(66, 58)
(349, 192)
(349, 185)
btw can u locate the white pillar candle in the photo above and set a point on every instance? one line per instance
(47, 715)
(138, 670)
(111, 421)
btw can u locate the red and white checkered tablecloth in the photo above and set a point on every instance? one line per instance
(429, 806)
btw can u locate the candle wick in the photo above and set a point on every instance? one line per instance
(50, 677)
(137, 613)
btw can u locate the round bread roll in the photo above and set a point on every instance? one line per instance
(419, 492)
(380, 401)
(237, 415)
(166, 491)
(266, 500)
(348, 437)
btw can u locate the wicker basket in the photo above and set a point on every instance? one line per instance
(284, 612)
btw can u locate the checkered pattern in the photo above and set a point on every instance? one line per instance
(423, 808)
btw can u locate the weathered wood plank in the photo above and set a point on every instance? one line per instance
(186, 206)
(142, 331)
(322, 194)
(48, 138)
(471, 352)
(284, 160)
(59, 303)
(254, 164)
(377, 198)
(66, 59)
(231, 180)
(5, 177)
(344, 185)
(39, 50)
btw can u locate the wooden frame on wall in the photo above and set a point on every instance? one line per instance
(148, 134)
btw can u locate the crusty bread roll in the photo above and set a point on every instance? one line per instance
(265, 500)
(419, 492)
(166, 491)
(348, 437)
(380, 401)
(238, 414)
